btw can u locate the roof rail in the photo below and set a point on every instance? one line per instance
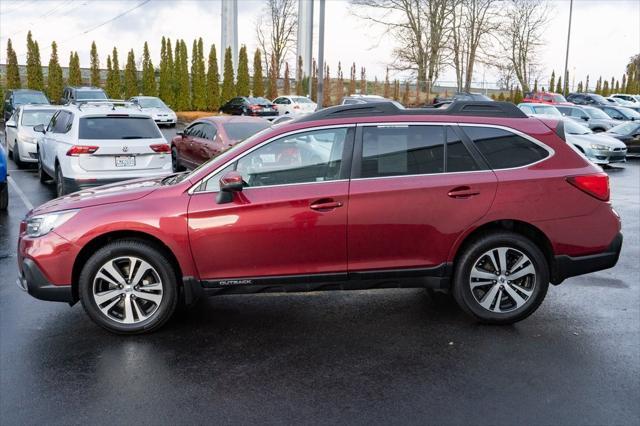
(113, 103)
(461, 108)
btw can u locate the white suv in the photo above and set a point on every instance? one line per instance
(97, 143)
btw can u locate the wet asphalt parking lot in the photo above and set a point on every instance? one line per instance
(372, 357)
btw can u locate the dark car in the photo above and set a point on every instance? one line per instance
(587, 99)
(208, 137)
(73, 94)
(620, 113)
(459, 96)
(13, 98)
(589, 116)
(478, 198)
(247, 105)
(629, 133)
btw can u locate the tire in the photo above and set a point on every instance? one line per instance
(598, 130)
(61, 188)
(175, 160)
(145, 313)
(500, 306)
(16, 155)
(4, 196)
(43, 177)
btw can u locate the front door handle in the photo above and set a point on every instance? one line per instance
(325, 205)
(462, 192)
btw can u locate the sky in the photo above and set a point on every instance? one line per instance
(605, 33)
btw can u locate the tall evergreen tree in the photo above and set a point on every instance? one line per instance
(166, 73)
(213, 81)
(340, 82)
(552, 81)
(273, 79)
(580, 87)
(624, 82)
(94, 65)
(396, 90)
(184, 95)
(352, 80)
(363, 81)
(314, 81)
(299, 77)
(258, 78)
(326, 94)
(75, 75)
(535, 86)
(110, 86)
(242, 86)
(405, 94)
(387, 85)
(586, 84)
(117, 82)
(54, 80)
(149, 87)
(287, 82)
(228, 86)
(517, 95)
(599, 85)
(130, 76)
(198, 94)
(605, 88)
(13, 71)
(177, 72)
(35, 79)
(612, 85)
(559, 85)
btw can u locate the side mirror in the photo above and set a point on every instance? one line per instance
(230, 182)
(180, 133)
(40, 128)
(585, 117)
(11, 123)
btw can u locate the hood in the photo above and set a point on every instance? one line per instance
(156, 110)
(114, 193)
(596, 138)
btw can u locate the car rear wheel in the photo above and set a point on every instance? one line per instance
(128, 287)
(42, 175)
(501, 278)
(61, 188)
(175, 160)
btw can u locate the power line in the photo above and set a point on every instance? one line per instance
(18, 6)
(44, 15)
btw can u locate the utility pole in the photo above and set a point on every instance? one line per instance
(566, 58)
(321, 56)
(305, 40)
(229, 32)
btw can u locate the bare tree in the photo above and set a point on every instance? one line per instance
(473, 21)
(276, 31)
(522, 37)
(420, 28)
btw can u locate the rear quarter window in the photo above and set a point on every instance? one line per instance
(503, 149)
(118, 128)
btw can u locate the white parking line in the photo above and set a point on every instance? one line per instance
(23, 197)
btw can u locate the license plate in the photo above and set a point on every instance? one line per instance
(125, 161)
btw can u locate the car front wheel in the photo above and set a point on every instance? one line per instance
(128, 287)
(501, 278)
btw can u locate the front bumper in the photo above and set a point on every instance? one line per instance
(568, 266)
(607, 157)
(33, 281)
(28, 152)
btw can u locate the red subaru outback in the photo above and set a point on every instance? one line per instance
(477, 198)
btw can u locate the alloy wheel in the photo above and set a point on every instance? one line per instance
(127, 290)
(502, 279)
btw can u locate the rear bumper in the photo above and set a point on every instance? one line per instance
(33, 281)
(568, 266)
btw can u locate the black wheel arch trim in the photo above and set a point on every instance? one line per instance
(568, 266)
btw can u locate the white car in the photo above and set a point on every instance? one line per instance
(536, 109)
(160, 112)
(99, 143)
(599, 148)
(294, 105)
(20, 136)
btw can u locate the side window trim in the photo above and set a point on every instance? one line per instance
(475, 153)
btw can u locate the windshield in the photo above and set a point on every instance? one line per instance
(32, 118)
(624, 129)
(29, 98)
(630, 113)
(573, 128)
(85, 95)
(151, 103)
(118, 128)
(546, 110)
(598, 98)
(240, 131)
(259, 101)
(596, 113)
(558, 98)
(302, 100)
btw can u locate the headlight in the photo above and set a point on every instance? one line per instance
(28, 139)
(599, 147)
(40, 225)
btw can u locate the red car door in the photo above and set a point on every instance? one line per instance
(290, 219)
(185, 144)
(204, 148)
(406, 204)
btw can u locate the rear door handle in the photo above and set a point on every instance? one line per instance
(462, 192)
(325, 205)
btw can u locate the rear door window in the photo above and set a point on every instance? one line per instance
(402, 150)
(503, 149)
(118, 128)
(459, 158)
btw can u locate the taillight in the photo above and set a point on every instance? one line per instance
(254, 107)
(76, 150)
(160, 147)
(596, 185)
